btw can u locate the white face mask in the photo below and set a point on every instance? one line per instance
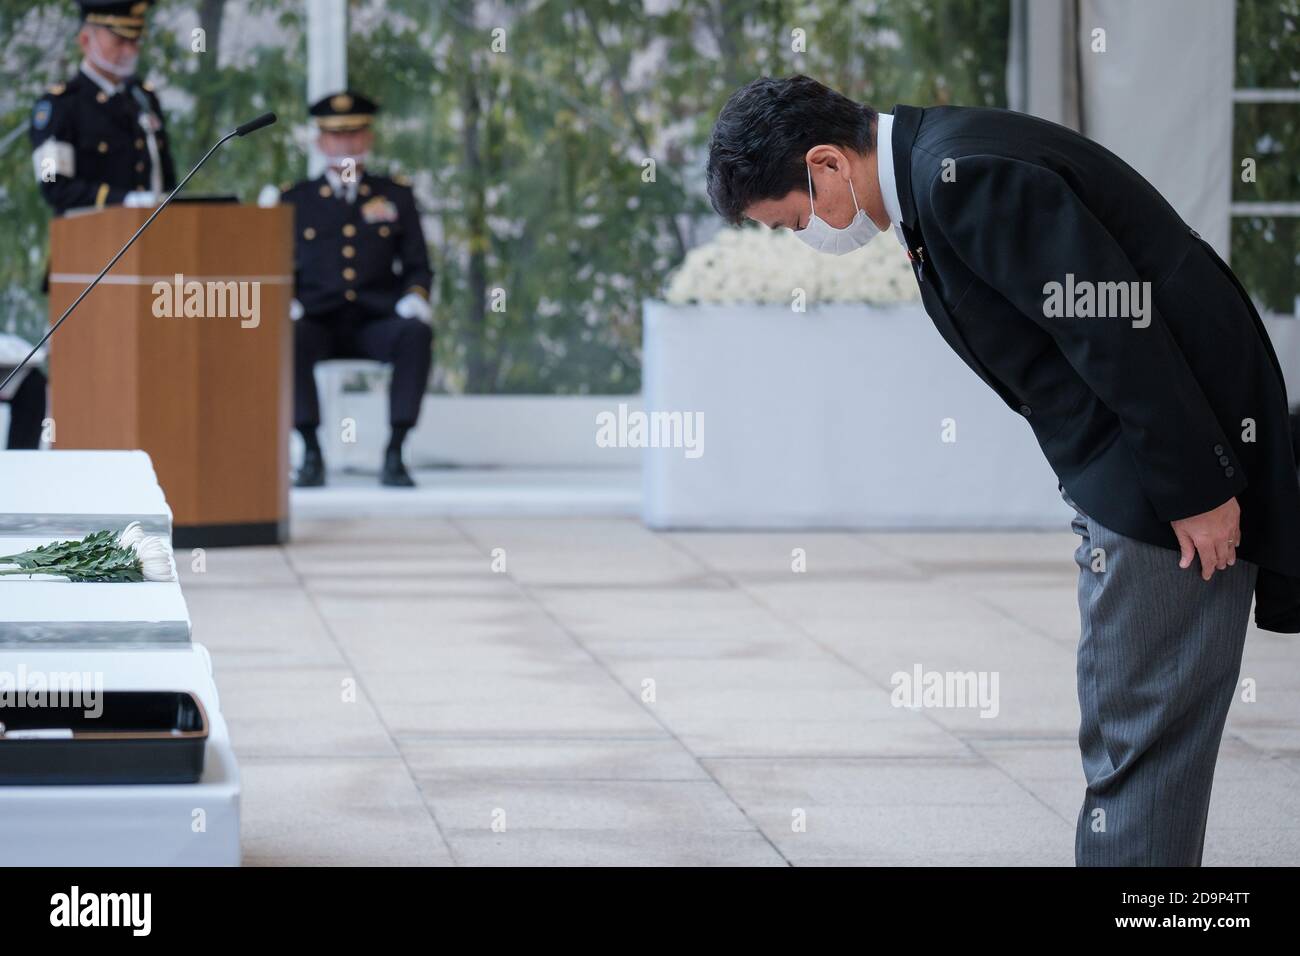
(107, 66)
(822, 236)
(352, 160)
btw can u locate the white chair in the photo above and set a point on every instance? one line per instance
(338, 403)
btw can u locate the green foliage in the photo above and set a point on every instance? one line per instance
(1266, 250)
(35, 47)
(533, 162)
(97, 558)
(532, 165)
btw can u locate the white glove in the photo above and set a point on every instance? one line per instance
(138, 198)
(414, 306)
(295, 309)
(269, 196)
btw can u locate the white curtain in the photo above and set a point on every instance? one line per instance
(1160, 97)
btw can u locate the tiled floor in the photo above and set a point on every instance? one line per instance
(609, 695)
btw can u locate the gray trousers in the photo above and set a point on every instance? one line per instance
(1159, 657)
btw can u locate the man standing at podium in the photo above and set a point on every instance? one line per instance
(362, 280)
(99, 138)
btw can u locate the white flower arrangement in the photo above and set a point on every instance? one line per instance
(98, 557)
(769, 266)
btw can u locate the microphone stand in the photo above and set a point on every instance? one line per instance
(266, 119)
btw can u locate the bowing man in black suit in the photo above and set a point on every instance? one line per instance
(361, 281)
(1075, 291)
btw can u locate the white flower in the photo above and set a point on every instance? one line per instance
(152, 552)
(766, 266)
(155, 559)
(130, 535)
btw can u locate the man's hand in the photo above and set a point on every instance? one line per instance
(414, 306)
(1213, 535)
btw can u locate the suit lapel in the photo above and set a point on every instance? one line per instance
(907, 121)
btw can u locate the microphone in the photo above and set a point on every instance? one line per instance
(266, 119)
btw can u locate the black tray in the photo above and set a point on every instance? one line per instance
(139, 737)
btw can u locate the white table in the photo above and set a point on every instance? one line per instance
(147, 825)
(45, 609)
(134, 637)
(72, 493)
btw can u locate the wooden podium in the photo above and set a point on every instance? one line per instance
(199, 380)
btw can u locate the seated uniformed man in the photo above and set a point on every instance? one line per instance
(361, 281)
(99, 139)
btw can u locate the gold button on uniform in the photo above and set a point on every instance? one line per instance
(349, 273)
(350, 295)
(384, 230)
(324, 190)
(101, 97)
(349, 252)
(139, 144)
(349, 230)
(139, 167)
(309, 233)
(364, 189)
(103, 147)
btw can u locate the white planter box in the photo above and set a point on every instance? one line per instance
(832, 418)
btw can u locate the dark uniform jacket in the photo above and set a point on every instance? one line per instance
(367, 253)
(1142, 425)
(100, 149)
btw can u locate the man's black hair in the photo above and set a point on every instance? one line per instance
(764, 131)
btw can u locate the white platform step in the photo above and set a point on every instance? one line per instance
(148, 825)
(72, 493)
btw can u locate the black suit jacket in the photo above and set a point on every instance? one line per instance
(366, 254)
(110, 151)
(1143, 419)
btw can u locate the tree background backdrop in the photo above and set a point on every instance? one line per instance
(533, 163)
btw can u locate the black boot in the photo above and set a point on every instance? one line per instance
(312, 472)
(395, 474)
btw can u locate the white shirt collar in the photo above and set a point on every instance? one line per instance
(885, 170)
(103, 82)
(347, 190)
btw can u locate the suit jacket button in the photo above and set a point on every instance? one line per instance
(1026, 410)
(1223, 459)
(1218, 449)
(1194, 233)
(1229, 471)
